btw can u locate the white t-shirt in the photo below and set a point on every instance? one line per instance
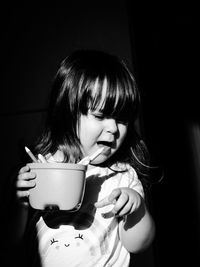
(85, 238)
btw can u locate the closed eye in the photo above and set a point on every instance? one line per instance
(79, 236)
(53, 241)
(99, 116)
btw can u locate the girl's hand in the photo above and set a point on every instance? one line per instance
(125, 200)
(25, 181)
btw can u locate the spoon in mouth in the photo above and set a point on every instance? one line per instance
(88, 159)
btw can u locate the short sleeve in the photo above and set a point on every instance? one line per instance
(134, 181)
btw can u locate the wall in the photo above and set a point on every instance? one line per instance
(166, 47)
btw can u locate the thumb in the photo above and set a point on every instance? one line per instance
(110, 199)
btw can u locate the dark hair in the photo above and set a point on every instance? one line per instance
(72, 95)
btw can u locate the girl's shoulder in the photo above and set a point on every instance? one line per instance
(129, 177)
(125, 168)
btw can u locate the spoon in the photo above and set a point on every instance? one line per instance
(88, 159)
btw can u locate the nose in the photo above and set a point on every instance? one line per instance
(111, 126)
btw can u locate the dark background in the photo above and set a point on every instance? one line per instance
(160, 44)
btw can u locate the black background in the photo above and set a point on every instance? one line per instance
(160, 43)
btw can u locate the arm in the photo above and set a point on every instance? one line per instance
(137, 230)
(25, 181)
(18, 222)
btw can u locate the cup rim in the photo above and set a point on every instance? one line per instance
(57, 165)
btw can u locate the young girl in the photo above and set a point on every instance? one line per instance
(94, 103)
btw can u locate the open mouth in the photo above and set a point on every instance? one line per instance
(106, 144)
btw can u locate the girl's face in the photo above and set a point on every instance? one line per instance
(97, 131)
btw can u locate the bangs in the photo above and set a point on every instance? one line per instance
(112, 96)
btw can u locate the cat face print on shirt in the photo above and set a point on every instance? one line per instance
(74, 242)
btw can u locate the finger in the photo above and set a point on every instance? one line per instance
(111, 199)
(108, 215)
(23, 194)
(114, 195)
(25, 184)
(127, 209)
(102, 203)
(131, 205)
(124, 210)
(26, 176)
(121, 203)
(24, 169)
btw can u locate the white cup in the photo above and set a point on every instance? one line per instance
(58, 186)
